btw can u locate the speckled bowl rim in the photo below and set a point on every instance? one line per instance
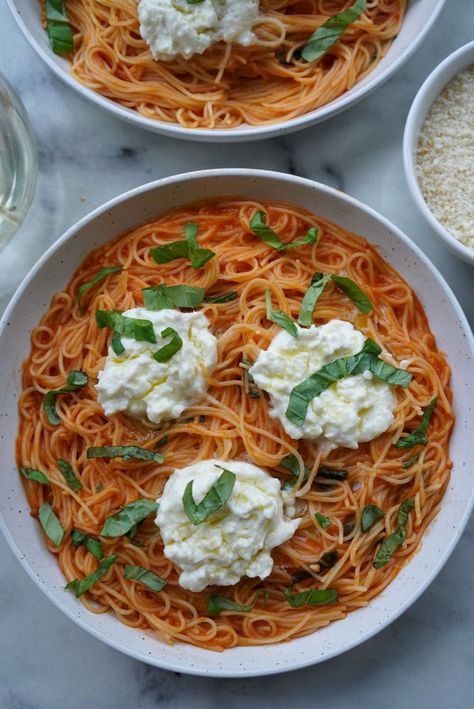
(388, 66)
(432, 87)
(451, 327)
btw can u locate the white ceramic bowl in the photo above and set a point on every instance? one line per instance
(458, 61)
(420, 16)
(452, 331)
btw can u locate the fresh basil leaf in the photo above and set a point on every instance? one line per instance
(80, 586)
(411, 461)
(92, 544)
(97, 279)
(270, 238)
(388, 548)
(352, 290)
(279, 317)
(123, 521)
(311, 297)
(58, 27)
(51, 524)
(251, 389)
(223, 298)
(75, 380)
(188, 248)
(214, 499)
(162, 442)
(290, 462)
(332, 474)
(116, 344)
(313, 597)
(216, 603)
(144, 576)
(323, 521)
(325, 36)
(165, 353)
(160, 297)
(69, 475)
(125, 452)
(370, 515)
(403, 512)
(367, 359)
(418, 436)
(328, 560)
(135, 328)
(32, 474)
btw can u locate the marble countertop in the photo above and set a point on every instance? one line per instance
(86, 157)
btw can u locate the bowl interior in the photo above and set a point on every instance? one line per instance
(420, 16)
(449, 325)
(458, 61)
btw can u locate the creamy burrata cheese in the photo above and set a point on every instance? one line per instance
(174, 28)
(234, 541)
(352, 410)
(143, 388)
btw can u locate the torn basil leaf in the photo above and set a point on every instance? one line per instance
(75, 380)
(411, 461)
(165, 353)
(188, 248)
(279, 317)
(290, 462)
(58, 27)
(328, 34)
(311, 297)
(328, 560)
(124, 520)
(313, 597)
(125, 452)
(352, 290)
(418, 436)
(216, 603)
(213, 500)
(144, 576)
(403, 511)
(251, 389)
(92, 544)
(80, 586)
(370, 515)
(323, 521)
(223, 298)
(116, 344)
(395, 540)
(261, 229)
(332, 474)
(365, 360)
(69, 475)
(97, 279)
(135, 328)
(161, 297)
(51, 524)
(32, 474)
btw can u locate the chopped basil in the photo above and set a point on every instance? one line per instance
(395, 540)
(69, 475)
(301, 575)
(216, 603)
(290, 462)
(125, 452)
(251, 388)
(418, 436)
(97, 279)
(136, 328)
(318, 283)
(124, 520)
(58, 27)
(313, 597)
(367, 359)
(165, 353)
(51, 524)
(116, 344)
(32, 474)
(325, 36)
(144, 576)
(223, 298)
(348, 528)
(332, 474)
(162, 442)
(80, 586)
(213, 500)
(188, 248)
(270, 238)
(160, 297)
(279, 317)
(91, 543)
(75, 380)
(352, 290)
(411, 461)
(328, 560)
(370, 515)
(323, 521)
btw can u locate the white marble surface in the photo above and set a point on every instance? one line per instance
(423, 659)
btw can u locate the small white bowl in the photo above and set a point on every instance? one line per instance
(420, 17)
(458, 61)
(450, 327)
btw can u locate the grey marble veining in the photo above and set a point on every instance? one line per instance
(86, 157)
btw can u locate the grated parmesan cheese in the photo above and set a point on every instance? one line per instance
(445, 160)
